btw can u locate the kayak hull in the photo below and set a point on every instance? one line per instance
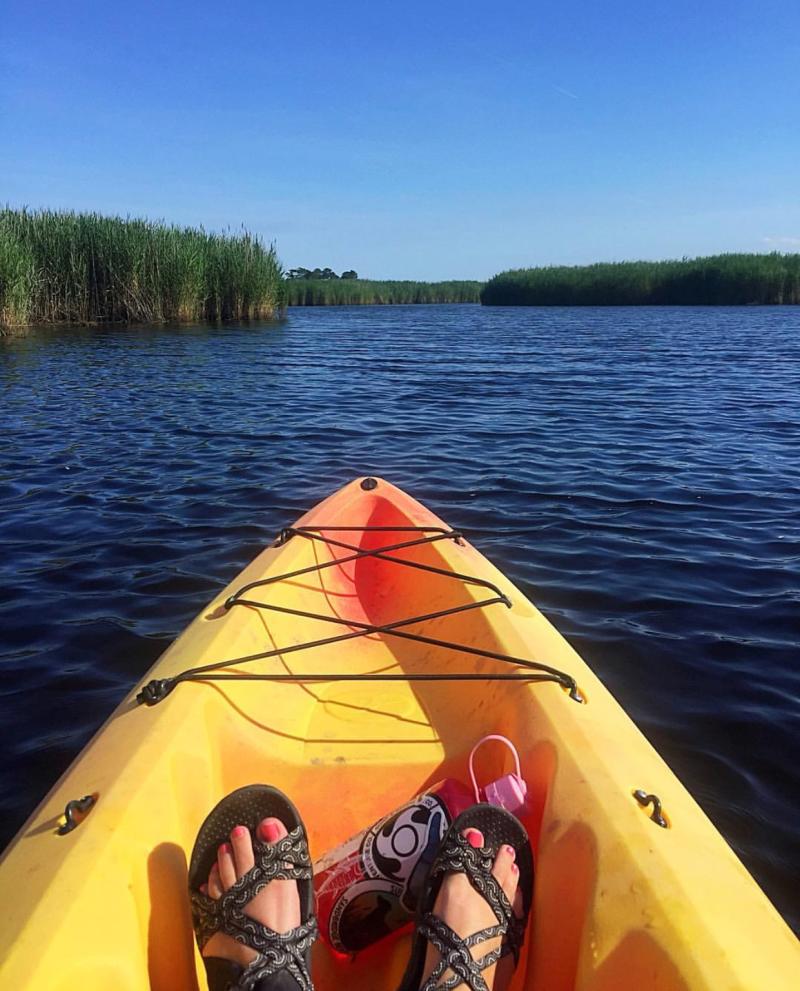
(620, 902)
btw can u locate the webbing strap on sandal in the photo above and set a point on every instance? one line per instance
(286, 859)
(459, 856)
(281, 952)
(454, 951)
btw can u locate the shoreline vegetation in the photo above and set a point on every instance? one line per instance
(349, 290)
(717, 280)
(59, 266)
(84, 268)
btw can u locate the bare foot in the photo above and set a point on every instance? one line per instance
(277, 906)
(466, 912)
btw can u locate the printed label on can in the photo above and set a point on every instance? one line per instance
(395, 856)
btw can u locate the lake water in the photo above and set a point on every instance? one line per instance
(635, 471)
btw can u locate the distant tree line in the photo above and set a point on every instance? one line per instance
(718, 280)
(354, 292)
(319, 273)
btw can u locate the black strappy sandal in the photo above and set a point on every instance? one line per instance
(456, 854)
(283, 961)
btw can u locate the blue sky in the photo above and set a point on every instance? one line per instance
(415, 140)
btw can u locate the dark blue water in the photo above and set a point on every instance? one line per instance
(636, 471)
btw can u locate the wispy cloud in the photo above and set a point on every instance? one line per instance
(782, 242)
(564, 92)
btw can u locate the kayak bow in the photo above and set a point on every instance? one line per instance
(352, 683)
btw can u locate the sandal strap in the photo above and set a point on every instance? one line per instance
(460, 857)
(286, 859)
(280, 952)
(454, 953)
(276, 951)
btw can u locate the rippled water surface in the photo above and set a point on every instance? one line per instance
(637, 472)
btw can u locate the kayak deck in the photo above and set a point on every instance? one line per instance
(619, 901)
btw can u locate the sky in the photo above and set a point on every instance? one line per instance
(415, 140)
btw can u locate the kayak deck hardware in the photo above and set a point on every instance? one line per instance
(644, 799)
(80, 805)
(155, 691)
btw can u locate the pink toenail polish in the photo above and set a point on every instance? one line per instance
(238, 831)
(270, 832)
(474, 838)
(514, 869)
(510, 850)
(224, 848)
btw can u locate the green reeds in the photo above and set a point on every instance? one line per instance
(356, 292)
(719, 280)
(58, 266)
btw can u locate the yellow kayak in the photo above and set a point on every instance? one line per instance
(634, 886)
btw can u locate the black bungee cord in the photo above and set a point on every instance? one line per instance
(532, 671)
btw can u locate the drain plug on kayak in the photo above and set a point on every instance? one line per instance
(646, 798)
(368, 484)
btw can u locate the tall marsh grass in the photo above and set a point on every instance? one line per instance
(731, 279)
(354, 292)
(58, 266)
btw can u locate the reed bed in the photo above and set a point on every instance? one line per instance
(718, 280)
(357, 292)
(64, 267)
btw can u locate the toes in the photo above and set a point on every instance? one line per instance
(242, 845)
(236, 858)
(506, 871)
(504, 868)
(473, 836)
(214, 883)
(271, 830)
(227, 868)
